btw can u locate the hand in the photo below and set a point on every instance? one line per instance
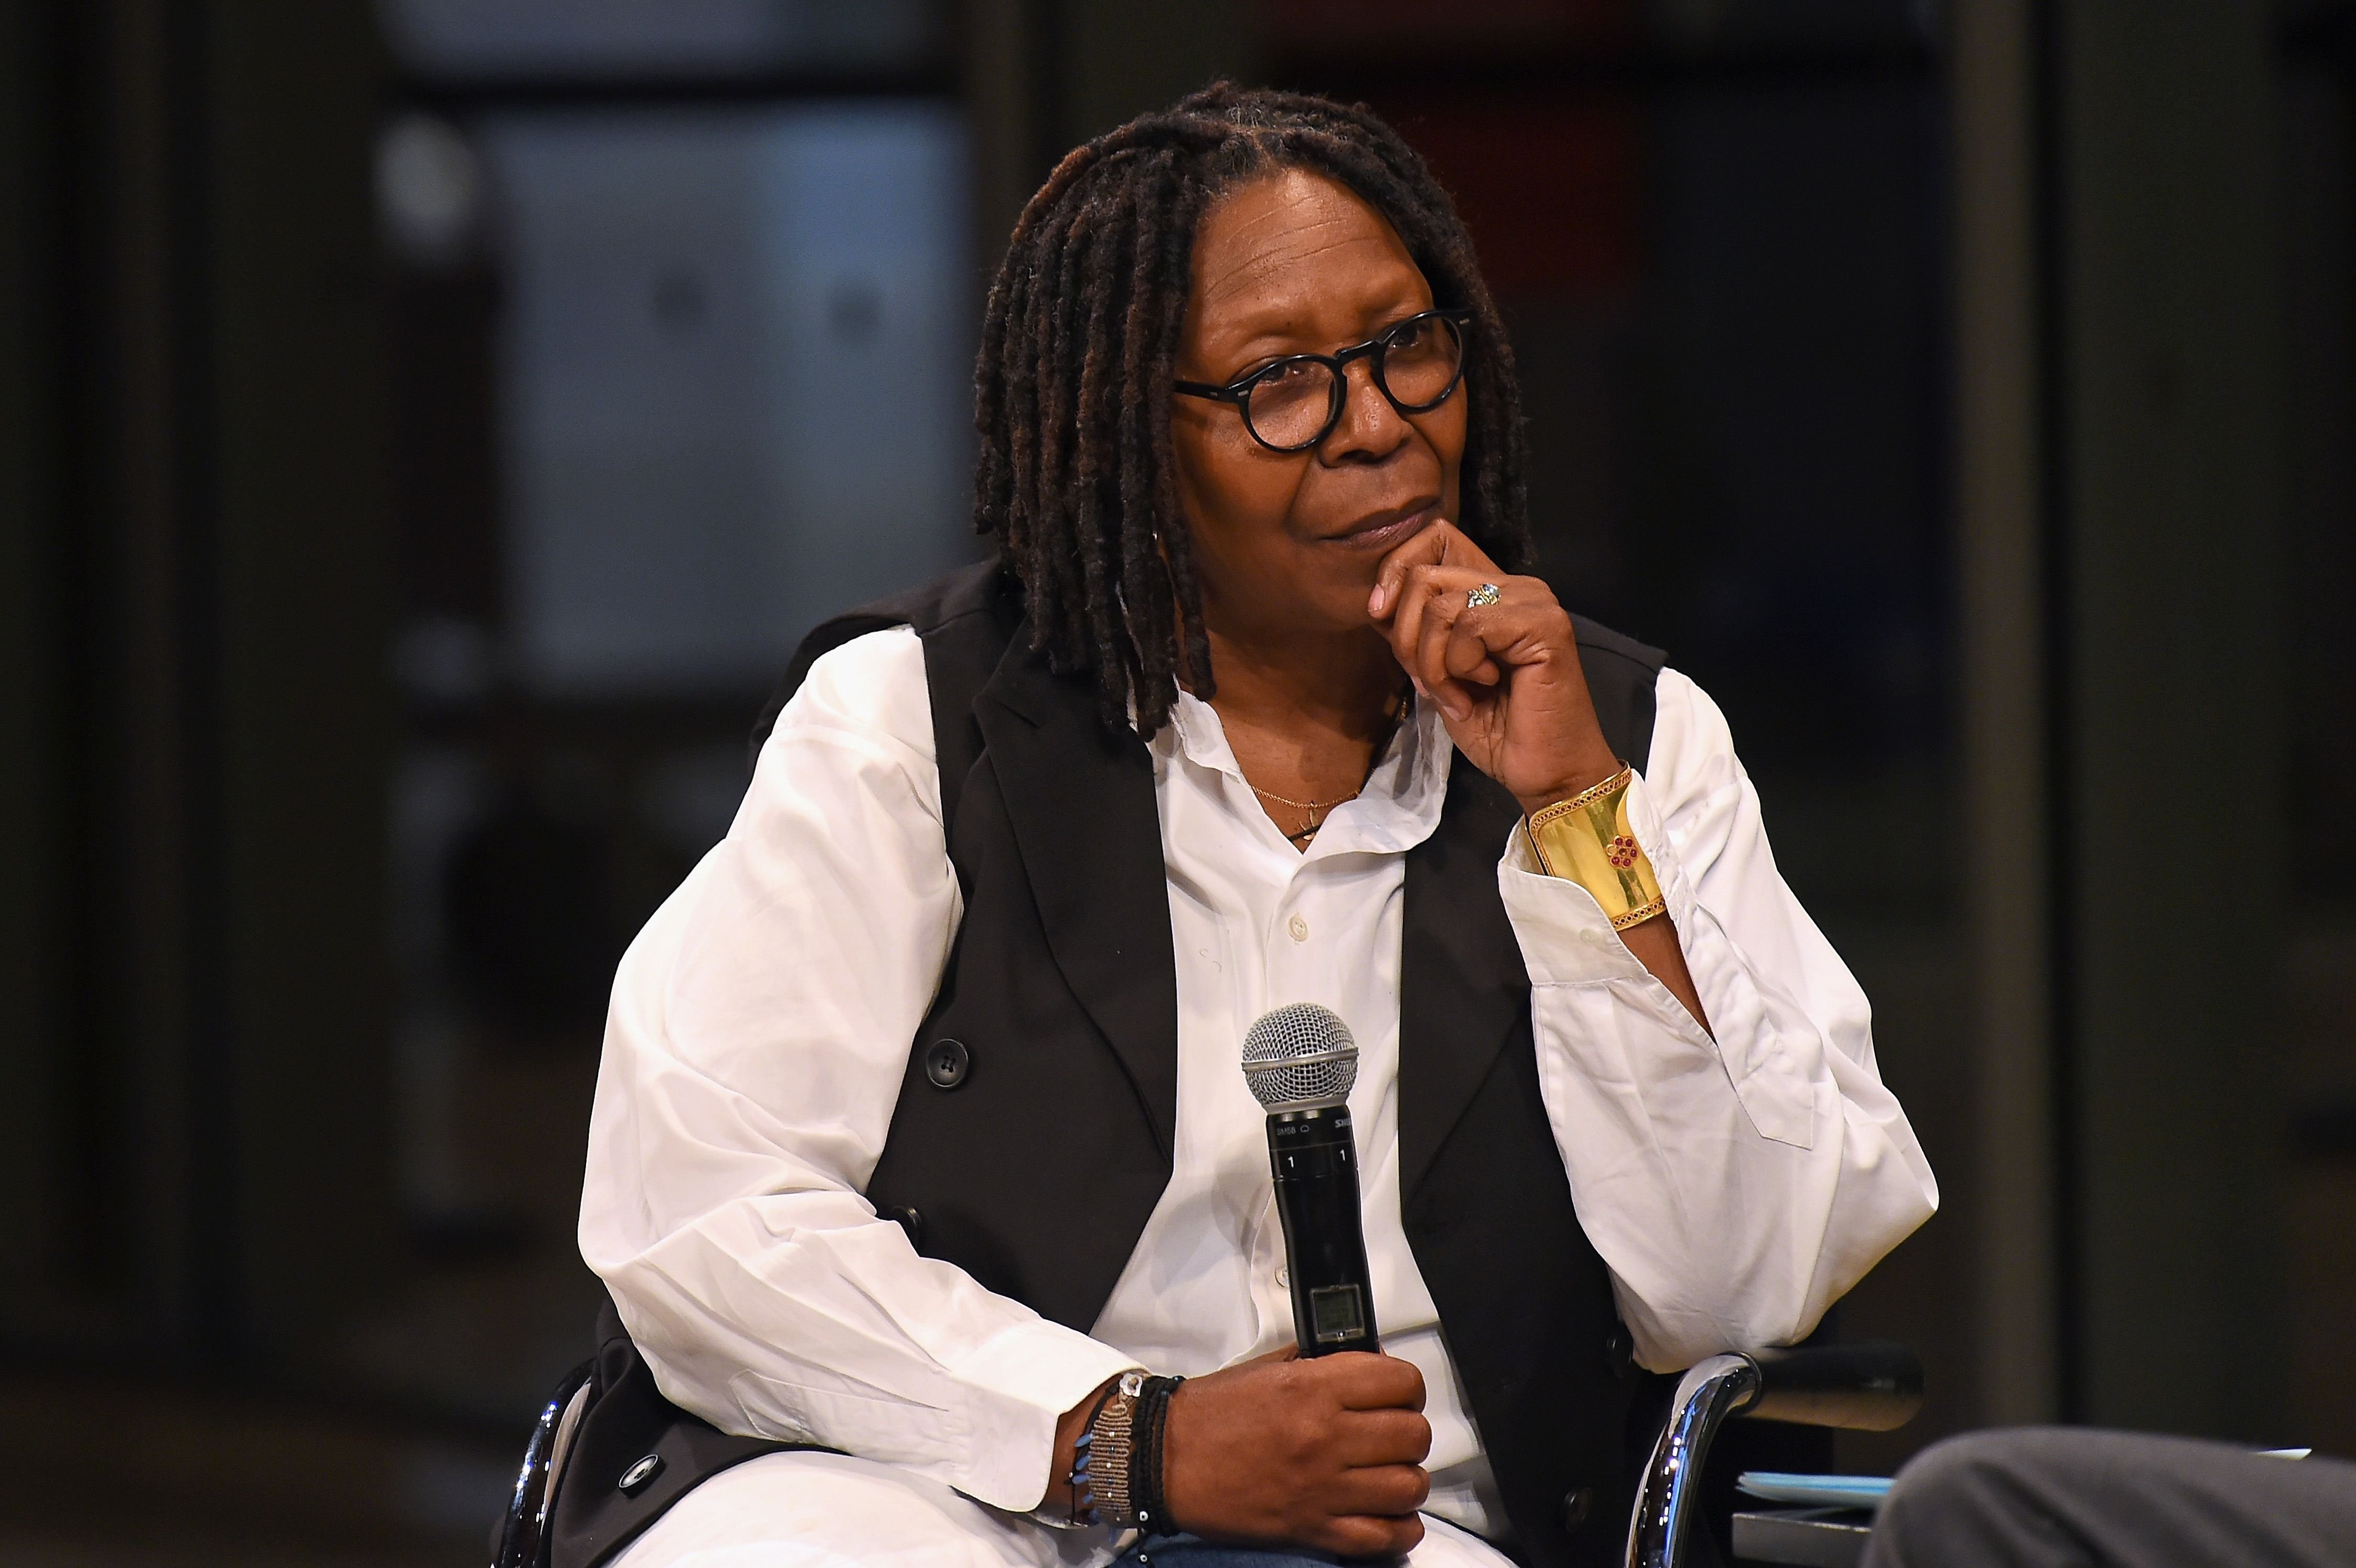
(1508, 683)
(1325, 1453)
(1507, 676)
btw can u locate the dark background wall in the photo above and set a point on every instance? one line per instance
(410, 478)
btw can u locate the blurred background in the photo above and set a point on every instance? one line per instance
(427, 427)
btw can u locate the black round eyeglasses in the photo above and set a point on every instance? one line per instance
(1292, 404)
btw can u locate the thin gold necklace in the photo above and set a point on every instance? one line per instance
(1306, 805)
(1395, 711)
(1309, 826)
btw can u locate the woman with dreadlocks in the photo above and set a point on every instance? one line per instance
(933, 1204)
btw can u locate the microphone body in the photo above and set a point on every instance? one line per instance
(1301, 1063)
(1313, 1158)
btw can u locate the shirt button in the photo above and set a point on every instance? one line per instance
(1298, 927)
(1283, 1277)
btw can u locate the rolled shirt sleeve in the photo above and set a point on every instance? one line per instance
(1738, 1184)
(758, 1036)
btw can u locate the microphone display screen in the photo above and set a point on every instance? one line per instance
(1337, 1312)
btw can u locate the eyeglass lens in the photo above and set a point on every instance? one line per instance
(1293, 406)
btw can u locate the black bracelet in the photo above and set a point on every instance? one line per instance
(1146, 1458)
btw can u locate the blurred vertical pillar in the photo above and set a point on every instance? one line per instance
(195, 832)
(1045, 75)
(1119, 59)
(100, 1050)
(2001, 571)
(1010, 66)
(2164, 423)
(303, 575)
(29, 695)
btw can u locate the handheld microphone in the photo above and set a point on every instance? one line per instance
(1300, 1062)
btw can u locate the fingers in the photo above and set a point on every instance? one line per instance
(1384, 1437)
(1451, 647)
(1326, 1451)
(1465, 653)
(1410, 606)
(1431, 604)
(1429, 548)
(1367, 1381)
(1439, 545)
(1371, 1536)
(1390, 1489)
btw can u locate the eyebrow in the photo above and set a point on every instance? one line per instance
(1268, 343)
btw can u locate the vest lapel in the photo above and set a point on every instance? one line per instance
(1081, 801)
(1462, 987)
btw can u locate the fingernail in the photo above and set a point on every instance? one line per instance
(1417, 681)
(1375, 603)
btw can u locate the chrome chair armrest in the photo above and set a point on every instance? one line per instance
(519, 1540)
(1869, 1387)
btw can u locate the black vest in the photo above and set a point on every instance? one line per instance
(1034, 1130)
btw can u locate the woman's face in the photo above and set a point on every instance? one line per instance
(1288, 542)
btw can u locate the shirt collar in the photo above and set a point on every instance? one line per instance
(1398, 808)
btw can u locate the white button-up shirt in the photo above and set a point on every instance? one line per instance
(761, 1026)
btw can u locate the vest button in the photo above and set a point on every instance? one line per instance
(1577, 1504)
(639, 1474)
(946, 1062)
(1620, 1350)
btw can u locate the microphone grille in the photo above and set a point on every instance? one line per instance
(1300, 1054)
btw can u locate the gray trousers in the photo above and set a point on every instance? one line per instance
(2043, 1496)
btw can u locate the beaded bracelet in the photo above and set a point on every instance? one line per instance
(1103, 1457)
(1117, 1461)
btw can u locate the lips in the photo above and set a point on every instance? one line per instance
(1383, 529)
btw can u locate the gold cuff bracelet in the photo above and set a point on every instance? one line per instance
(1587, 840)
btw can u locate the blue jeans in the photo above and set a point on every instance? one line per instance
(1192, 1552)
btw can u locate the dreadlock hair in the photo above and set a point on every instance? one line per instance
(1075, 478)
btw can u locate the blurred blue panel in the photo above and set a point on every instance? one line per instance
(655, 38)
(734, 364)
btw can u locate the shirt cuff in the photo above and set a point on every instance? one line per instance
(1023, 1381)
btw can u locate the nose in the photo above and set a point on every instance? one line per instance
(1370, 429)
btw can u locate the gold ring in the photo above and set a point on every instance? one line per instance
(1486, 594)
